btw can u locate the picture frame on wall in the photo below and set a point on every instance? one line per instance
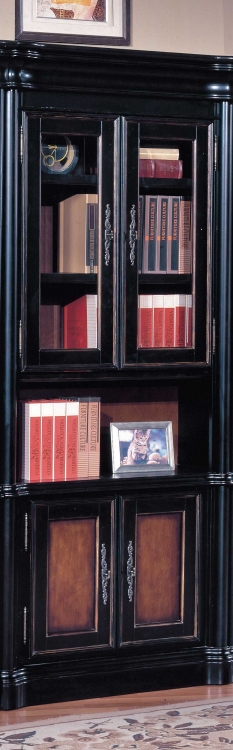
(73, 21)
(139, 447)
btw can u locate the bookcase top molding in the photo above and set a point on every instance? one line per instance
(33, 66)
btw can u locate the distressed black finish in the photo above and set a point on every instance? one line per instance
(114, 92)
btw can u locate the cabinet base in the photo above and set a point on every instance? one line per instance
(54, 683)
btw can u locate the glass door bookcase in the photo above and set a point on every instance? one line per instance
(70, 236)
(166, 265)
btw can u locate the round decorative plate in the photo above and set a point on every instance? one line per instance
(58, 158)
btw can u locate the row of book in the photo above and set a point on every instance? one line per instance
(73, 326)
(77, 235)
(165, 234)
(60, 439)
(164, 320)
(160, 163)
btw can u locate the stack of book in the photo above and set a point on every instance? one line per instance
(60, 439)
(78, 234)
(165, 234)
(164, 320)
(160, 163)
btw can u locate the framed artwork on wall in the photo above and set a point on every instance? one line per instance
(73, 21)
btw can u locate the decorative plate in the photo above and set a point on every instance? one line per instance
(59, 158)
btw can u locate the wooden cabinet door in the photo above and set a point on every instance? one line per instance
(158, 569)
(72, 576)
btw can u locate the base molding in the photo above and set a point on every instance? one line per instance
(56, 682)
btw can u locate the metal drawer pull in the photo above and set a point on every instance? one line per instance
(130, 571)
(108, 235)
(133, 235)
(105, 574)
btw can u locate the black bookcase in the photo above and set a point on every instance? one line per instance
(121, 583)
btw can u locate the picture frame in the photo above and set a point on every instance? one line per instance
(71, 21)
(142, 447)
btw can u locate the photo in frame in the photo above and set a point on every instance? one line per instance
(73, 21)
(139, 447)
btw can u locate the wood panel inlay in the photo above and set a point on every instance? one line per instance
(158, 568)
(72, 576)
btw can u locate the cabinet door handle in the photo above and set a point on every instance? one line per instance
(108, 235)
(105, 574)
(130, 572)
(133, 235)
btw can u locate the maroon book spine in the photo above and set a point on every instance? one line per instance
(165, 168)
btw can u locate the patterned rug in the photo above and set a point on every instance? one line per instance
(178, 726)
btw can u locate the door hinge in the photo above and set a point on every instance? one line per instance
(20, 338)
(25, 613)
(213, 337)
(21, 145)
(215, 152)
(26, 532)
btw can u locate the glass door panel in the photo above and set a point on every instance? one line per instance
(67, 187)
(167, 248)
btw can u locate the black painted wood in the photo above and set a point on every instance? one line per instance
(119, 89)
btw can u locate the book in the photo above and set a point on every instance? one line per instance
(189, 316)
(145, 321)
(141, 219)
(73, 223)
(31, 441)
(59, 410)
(158, 320)
(152, 240)
(169, 320)
(83, 439)
(80, 323)
(158, 153)
(91, 243)
(72, 427)
(47, 445)
(173, 234)
(180, 320)
(50, 327)
(185, 245)
(163, 234)
(46, 239)
(161, 168)
(93, 436)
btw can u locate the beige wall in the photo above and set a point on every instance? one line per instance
(195, 26)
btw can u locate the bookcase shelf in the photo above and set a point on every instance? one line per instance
(77, 220)
(160, 185)
(62, 288)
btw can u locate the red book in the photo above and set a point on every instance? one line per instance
(189, 319)
(72, 415)
(169, 305)
(161, 168)
(83, 439)
(59, 440)
(47, 441)
(159, 320)
(145, 321)
(31, 441)
(180, 320)
(80, 323)
(94, 437)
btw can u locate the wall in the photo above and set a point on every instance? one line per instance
(193, 26)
